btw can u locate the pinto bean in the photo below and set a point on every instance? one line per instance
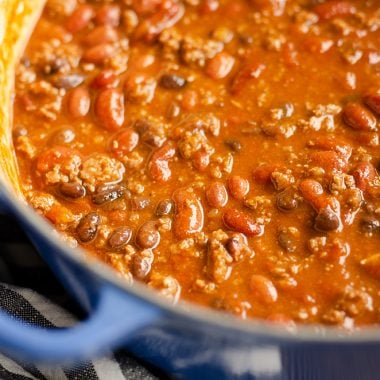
(364, 174)
(78, 102)
(334, 8)
(68, 81)
(158, 166)
(358, 117)
(165, 207)
(142, 263)
(216, 195)
(148, 236)
(109, 109)
(372, 100)
(107, 193)
(80, 18)
(100, 35)
(263, 289)
(119, 237)
(242, 222)
(189, 216)
(238, 187)
(72, 190)
(88, 227)
(139, 203)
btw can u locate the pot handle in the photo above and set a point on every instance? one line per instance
(115, 318)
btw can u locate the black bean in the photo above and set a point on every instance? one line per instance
(139, 203)
(120, 237)
(164, 207)
(107, 193)
(287, 241)
(234, 145)
(142, 264)
(73, 190)
(19, 130)
(88, 227)
(327, 220)
(369, 224)
(69, 81)
(62, 136)
(142, 125)
(286, 200)
(56, 65)
(148, 236)
(172, 81)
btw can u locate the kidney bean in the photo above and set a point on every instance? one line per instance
(109, 109)
(238, 187)
(100, 35)
(364, 174)
(108, 14)
(139, 203)
(216, 195)
(334, 8)
(332, 144)
(68, 81)
(311, 190)
(286, 200)
(358, 117)
(148, 236)
(124, 142)
(98, 53)
(80, 18)
(249, 71)
(142, 264)
(78, 102)
(372, 100)
(201, 160)
(220, 65)
(327, 220)
(328, 160)
(119, 237)
(105, 79)
(158, 166)
(73, 190)
(263, 289)
(189, 216)
(107, 193)
(165, 207)
(263, 173)
(172, 81)
(242, 222)
(88, 227)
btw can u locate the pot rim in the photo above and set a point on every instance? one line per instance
(260, 328)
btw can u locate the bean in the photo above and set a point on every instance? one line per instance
(124, 142)
(327, 220)
(158, 166)
(172, 81)
(220, 65)
(372, 100)
(286, 200)
(364, 174)
(100, 35)
(108, 14)
(139, 203)
(142, 264)
(334, 8)
(88, 227)
(107, 193)
(242, 222)
(369, 224)
(263, 289)
(80, 18)
(328, 160)
(98, 54)
(78, 102)
(234, 145)
(189, 216)
(105, 79)
(311, 190)
(73, 190)
(216, 195)
(68, 81)
(109, 109)
(287, 240)
(238, 187)
(119, 237)
(263, 173)
(148, 236)
(165, 207)
(359, 118)
(237, 247)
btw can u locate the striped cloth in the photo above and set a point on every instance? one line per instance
(48, 305)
